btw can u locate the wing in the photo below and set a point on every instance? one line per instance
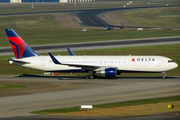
(84, 66)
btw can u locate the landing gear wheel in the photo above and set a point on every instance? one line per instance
(87, 77)
(163, 75)
(91, 74)
(91, 77)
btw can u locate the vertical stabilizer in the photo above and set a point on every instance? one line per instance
(20, 47)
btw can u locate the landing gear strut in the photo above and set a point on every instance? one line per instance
(91, 75)
(164, 75)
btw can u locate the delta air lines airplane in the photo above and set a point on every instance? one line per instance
(110, 66)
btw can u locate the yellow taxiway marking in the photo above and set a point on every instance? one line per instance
(63, 85)
(89, 19)
(71, 20)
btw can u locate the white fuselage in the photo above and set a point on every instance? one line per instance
(121, 63)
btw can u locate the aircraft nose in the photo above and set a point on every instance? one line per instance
(173, 65)
(176, 65)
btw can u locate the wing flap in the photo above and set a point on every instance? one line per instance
(84, 66)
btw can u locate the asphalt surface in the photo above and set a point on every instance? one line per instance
(89, 17)
(97, 45)
(164, 116)
(75, 91)
(92, 18)
(49, 92)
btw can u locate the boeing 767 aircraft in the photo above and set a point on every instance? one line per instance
(110, 66)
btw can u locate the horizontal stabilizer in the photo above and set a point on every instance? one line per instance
(19, 61)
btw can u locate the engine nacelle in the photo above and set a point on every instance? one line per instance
(108, 72)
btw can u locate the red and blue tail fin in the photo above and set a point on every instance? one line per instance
(20, 47)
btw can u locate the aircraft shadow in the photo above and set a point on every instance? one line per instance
(83, 77)
(48, 76)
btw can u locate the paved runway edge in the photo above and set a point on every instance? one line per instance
(78, 91)
(98, 45)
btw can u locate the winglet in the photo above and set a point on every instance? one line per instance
(53, 58)
(70, 52)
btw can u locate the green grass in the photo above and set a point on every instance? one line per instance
(159, 17)
(38, 7)
(7, 86)
(41, 29)
(170, 51)
(62, 110)
(139, 102)
(111, 105)
(6, 68)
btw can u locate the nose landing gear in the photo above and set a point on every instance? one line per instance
(164, 75)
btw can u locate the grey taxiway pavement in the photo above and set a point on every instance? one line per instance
(94, 15)
(98, 45)
(76, 91)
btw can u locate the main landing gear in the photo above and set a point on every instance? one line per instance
(164, 75)
(91, 75)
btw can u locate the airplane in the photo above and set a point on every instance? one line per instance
(110, 66)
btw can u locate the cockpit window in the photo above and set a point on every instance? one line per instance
(169, 61)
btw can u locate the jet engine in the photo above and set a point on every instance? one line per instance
(108, 72)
